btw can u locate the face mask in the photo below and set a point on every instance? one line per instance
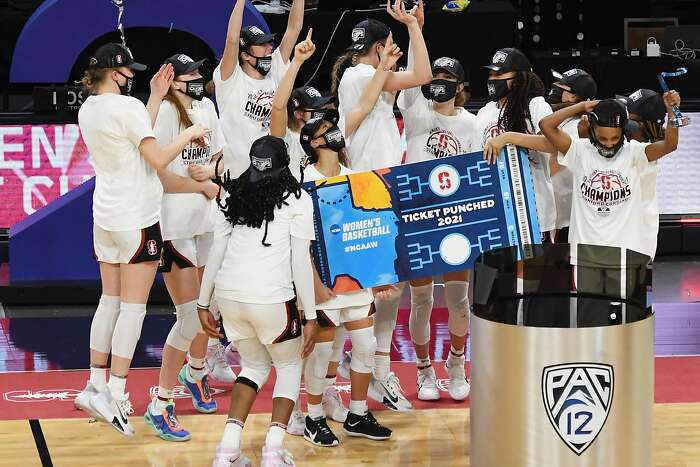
(333, 138)
(555, 95)
(318, 113)
(126, 88)
(605, 151)
(262, 64)
(195, 89)
(497, 89)
(440, 90)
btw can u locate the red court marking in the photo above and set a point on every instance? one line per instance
(50, 394)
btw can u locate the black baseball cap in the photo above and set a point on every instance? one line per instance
(581, 83)
(451, 66)
(509, 59)
(367, 32)
(183, 64)
(610, 113)
(307, 97)
(648, 104)
(268, 158)
(253, 35)
(114, 55)
(308, 131)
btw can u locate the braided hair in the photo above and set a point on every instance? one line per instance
(515, 114)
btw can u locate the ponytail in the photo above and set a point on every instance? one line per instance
(92, 77)
(184, 119)
(341, 64)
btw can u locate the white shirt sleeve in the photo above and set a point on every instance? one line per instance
(278, 67)
(167, 125)
(217, 141)
(303, 220)
(572, 158)
(224, 89)
(639, 155)
(222, 232)
(136, 121)
(539, 109)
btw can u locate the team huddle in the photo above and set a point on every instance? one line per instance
(214, 200)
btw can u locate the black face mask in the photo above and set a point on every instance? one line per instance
(605, 151)
(333, 138)
(126, 88)
(262, 64)
(497, 89)
(315, 113)
(440, 90)
(195, 89)
(555, 95)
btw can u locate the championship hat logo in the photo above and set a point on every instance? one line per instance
(577, 398)
(184, 59)
(312, 92)
(570, 73)
(499, 57)
(444, 61)
(636, 95)
(262, 163)
(357, 34)
(256, 30)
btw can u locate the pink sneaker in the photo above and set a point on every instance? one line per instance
(276, 457)
(227, 457)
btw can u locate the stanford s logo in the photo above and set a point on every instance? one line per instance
(577, 398)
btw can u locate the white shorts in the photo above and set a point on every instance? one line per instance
(335, 318)
(269, 323)
(129, 246)
(186, 252)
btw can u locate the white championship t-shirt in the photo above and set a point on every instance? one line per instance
(185, 215)
(127, 189)
(607, 204)
(377, 141)
(254, 273)
(246, 106)
(430, 134)
(361, 297)
(297, 156)
(487, 127)
(563, 180)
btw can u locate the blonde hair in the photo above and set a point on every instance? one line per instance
(461, 98)
(94, 76)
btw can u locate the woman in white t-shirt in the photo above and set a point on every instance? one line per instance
(187, 233)
(258, 262)
(608, 206)
(126, 209)
(376, 143)
(437, 126)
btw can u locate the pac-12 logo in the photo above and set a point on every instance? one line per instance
(444, 180)
(577, 398)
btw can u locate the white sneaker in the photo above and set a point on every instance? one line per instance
(113, 411)
(458, 385)
(389, 393)
(344, 367)
(226, 457)
(276, 458)
(82, 401)
(297, 422)
(333, 406)
(217, 366)
(231, 355)
(427, 385)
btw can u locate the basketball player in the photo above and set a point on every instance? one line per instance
(259, 259)
(126, 209)
(376, 144)
(186, 221)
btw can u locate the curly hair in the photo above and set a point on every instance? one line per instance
(515, 114)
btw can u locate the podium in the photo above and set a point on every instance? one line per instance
(562, 358)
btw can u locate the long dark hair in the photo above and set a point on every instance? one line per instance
(515, 114)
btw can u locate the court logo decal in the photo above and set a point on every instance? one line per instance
(577, 398)
(43, 395)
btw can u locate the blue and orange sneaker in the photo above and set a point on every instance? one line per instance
(199, 390)
(165, 424)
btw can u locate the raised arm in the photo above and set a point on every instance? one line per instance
(229, 61)
(278, 119)
(294, 25)
(534, 142)
(160, 156)
(669, 144)
(160, 83)
(550, 124)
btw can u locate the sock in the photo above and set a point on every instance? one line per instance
(98, 377)
(381, 366)
(196, 369)
(423, 363)
(159, 404)
(315, 411)
(117, 386)
(456, 357)
(164, 393)
(358, 407)
(275, 435)
(232, 434)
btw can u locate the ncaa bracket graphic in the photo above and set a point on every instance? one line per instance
(423, 219)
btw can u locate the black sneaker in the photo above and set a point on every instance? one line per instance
(366, 426)
(318, 433)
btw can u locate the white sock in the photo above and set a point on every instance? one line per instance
(315, 411)
(158, 405)
(423, 363)
(164, 393)
(232, 434)
(381, 366)
(98, 377)
(275, 436)
(358, 407)
(117, 386)
(196, 369)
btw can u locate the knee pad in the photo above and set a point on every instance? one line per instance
(457, 298)
(364, 345)
(288, 379)
(255, 363)
(421, 309)
(128, 329)
(185, 328)
(385, 318)
(316, 368)
(103, 323)
(338, 345)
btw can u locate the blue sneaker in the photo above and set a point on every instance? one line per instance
(166, 424)
(199, 390)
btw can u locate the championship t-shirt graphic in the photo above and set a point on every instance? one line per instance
(443, 143)
(258, 106)
(605, 190)
(491, 132)
(194, 154)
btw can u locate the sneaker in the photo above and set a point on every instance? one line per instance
(276, 457)
(226, 457)
(82, 401)
(202, 400)
(112, 411)
(317, 432)
(231, 355)
(296, 424)
(217, 366)
(389, 393)
(333, 406)
(166, 424)
(365, 426)
(458, 385)
(427, 385)
(344, 367)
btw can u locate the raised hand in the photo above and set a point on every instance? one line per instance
(588, 106)
(399, 13)
(419, 13)
(391, 54)
(305, 49)
(160, 83)
(672, 98)
(197, 132)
